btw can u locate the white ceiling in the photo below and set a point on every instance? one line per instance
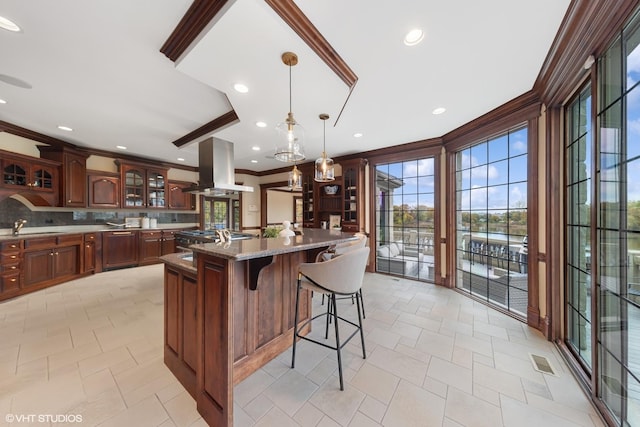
(95, 66)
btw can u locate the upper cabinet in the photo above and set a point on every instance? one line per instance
(179, 199)
(308, 198)
(104, 190)
(353, 195)
(143, 186)
(35, 178)
(73, 188)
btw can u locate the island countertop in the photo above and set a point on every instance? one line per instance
(240, 250)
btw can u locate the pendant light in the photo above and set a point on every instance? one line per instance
(324, 164)
(295, 178)
(291, 134)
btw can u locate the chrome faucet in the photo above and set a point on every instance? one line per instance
(17, 226)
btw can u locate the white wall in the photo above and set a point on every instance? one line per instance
(18, 144)
(279, 207)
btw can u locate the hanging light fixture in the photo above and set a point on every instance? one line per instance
(324, 164)
(295, 178)
(290, 148)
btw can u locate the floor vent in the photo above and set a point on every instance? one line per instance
(541, 364)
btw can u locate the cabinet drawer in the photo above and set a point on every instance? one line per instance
(71, 239)
(90, 237)
(10, 258)
(10, 267)
(40, 243)
(11, 246)
(10, 282)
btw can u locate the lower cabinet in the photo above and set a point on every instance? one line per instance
(51, 260)
(90, 253)
(10, 267)
(119, 249)
(180, 352)
(150, 247)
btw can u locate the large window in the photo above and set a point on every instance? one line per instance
(405, 202)
(618, 227)
(578, 206)
(491, 220)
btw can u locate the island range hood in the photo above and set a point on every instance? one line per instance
(216, 170)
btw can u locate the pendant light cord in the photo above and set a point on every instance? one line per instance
(290, 110)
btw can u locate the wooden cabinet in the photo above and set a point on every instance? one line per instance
(143, 186)
(179, 199)
(73, 188)
(308, 199)
(104, 190)
(150, 247)
(353, 195)
(34, 178)
(169, 241)
(89, 253)
(50, 260)
(119, 249)
(10, 271)
(181, 314)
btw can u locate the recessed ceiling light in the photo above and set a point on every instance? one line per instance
(66, 128)
(357, 135)
(254, 161)
(414, 37)
(261, 124)
(239, 87)
(255, 148)
(2, 101)
(180, 159)
(439, 110)
(121, 147)
(8, 25)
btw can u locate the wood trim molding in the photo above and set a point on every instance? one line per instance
(587, 29)
(518, 110)
(298, 21)
(533, 215)
(199, 15)
(216, 124)
(34, 136)
(263, 199)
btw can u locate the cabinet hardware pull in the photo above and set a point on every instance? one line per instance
(13, 280)
(13, 246)
(51, 254)
(13, 256)
(122, 233)
(69, 201)
(88, 246)
(13, 267)
(56, 253)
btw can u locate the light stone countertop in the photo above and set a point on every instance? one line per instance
(240, 250)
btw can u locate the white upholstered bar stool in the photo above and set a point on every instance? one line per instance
(341, 275)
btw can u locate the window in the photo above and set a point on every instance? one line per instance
(578, 208)
(405, 207)
(491, 220)
(221, 213)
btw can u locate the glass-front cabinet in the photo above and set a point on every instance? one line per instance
(352, 195)
(143, 187)
(18, 173)
(308, 199)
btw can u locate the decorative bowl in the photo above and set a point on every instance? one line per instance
(331, 189)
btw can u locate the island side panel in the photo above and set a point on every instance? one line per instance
(215, 335)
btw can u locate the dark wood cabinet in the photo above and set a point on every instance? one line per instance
(34, 178)
(180, 351)
(119, 249)
(104, 190)
(178, 199)
(308, 199)
(73, 187)
(50, 260)
(10, 267)
(169, 241)
(143, 186)
(150, 247)
(353, 195)
(89, 253)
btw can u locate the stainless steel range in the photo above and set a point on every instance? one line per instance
(186, 238)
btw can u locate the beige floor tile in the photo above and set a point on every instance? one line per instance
(435, 344)
(421, 322)
(251, 387)
(491, 330)
(323, 370)
(361, 420)
(148, 412)
(463, 357)
(104, 360)
(474, 344)
(410, 351)
(276, 417)
(182, 410)
(45, 347)
(451, 374)
(515, 412)
(436, 387)
(471, 411)
(375, 382)
(341, 406)
(170, 391)
(73, 355)
(406, 330)
(382, 337)
(327, 421)
(373, 409)
(56, 396)
(290, 392)
(258, 407)
(414, 406)
(495, 379)
(308, 415)
(405, 367)
(486, 394)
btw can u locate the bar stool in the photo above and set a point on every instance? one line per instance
(340, 249)
(338, 276)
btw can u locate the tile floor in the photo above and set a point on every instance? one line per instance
(92, 348)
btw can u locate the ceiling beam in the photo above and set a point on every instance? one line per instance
(216, 124)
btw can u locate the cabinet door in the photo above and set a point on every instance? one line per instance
(38, 266)
(134, 188)
(119, 249)
(104, 191)
(43, 178)
(179, 199)
(168, 242)
(189, 321)
(156, 193)
(75, 190)
(308, 201)
(150, 246)
(65, 261)
(89, 257)
(171, 309)
(15, 174)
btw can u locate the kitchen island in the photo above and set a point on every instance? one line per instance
(233, 311)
